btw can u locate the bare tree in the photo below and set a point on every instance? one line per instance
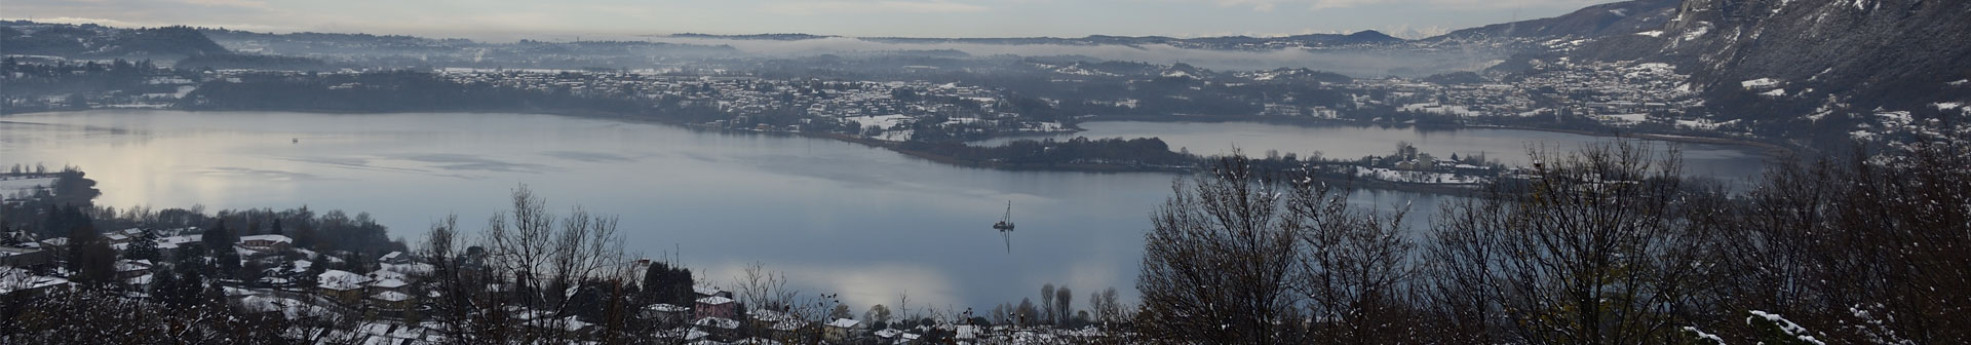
(1354, 268)
(516, 286)
(1047, 303)
(1063, 306)
(763, 288)
(1584, 253)
(1217, 265)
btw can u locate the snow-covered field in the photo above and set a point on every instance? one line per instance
(1415, 176)
(11, 185)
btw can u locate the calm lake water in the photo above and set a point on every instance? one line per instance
(837, 217)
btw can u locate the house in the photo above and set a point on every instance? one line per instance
(842, 330)
(56, 247)
(126, 268)
(777, 324)
(394, 258)
(392, 300)
(20, 283)
(719, 327)
(708, 291)
(267, 243)
(23, 257)
(342, 285)
(168, 246)
(664, 313)
(384, 279)
(715, 306)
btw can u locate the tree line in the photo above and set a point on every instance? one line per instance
(1608, 245)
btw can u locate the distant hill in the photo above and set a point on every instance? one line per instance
(767, 37)
(1368, 37)
(1897, 53)
(89, 41)
(1784, 65)
(1593, 21)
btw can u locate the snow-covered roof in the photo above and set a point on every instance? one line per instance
(718, 322)
(15, 279)
(391, 296)
(664, 307)
(341, 280)
(127, 265)
(382, 274)
(410, 268)
(389, 283)
(714, 300)
(266, 238)
(844, 323)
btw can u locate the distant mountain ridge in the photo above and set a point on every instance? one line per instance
(1366, 37)
(95, 41)
(1593, 21)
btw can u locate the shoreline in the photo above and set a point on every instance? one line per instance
(1768, 149)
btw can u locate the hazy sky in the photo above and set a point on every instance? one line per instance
(507, 19)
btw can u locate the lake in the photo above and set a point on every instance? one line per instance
(843, 218)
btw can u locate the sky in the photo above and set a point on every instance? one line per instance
(515, 19)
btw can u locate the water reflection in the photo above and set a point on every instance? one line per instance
(837, 217)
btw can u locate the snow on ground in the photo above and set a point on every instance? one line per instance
(1775, 93)
(1896, 117)
(1699, 32)
(1704, 124)
(881, 121)
(1386, 174)
(1947, 105)
(1791, 329)
(1959, 82)
(1759, 83)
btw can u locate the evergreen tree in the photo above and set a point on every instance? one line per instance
(90, 257)
(218, 238)
(144, 247)
(669, 285)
